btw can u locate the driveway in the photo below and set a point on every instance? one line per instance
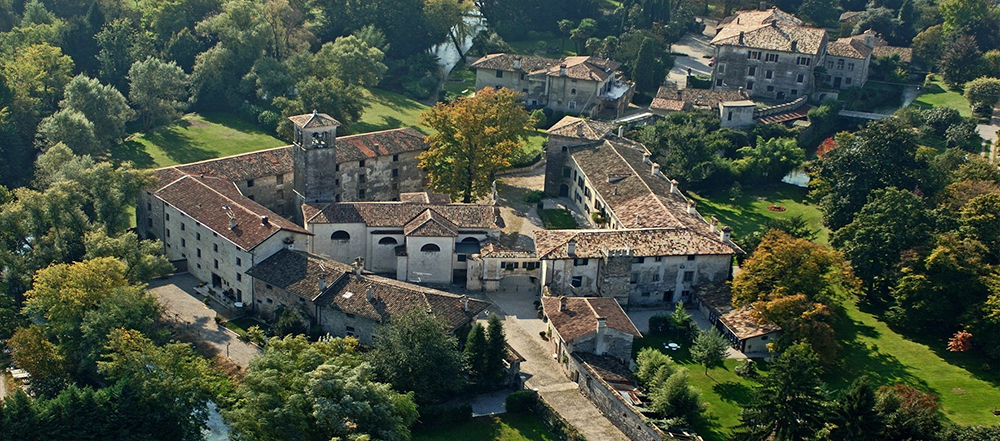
(695, 46)
(176, 294)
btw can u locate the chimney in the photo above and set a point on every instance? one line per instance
(359, 265)
(602, 322)
(562, 70)
(715, 224)
(517, 63)
(795, 45)
(673, 186)
(621, 131)
(600, 347)
(726, 232)
(321, 284)
(680, 95)
(741, 37)
(655, 169)
(265, 221)
(691, 207)
(465, 303)
(370, 293)
(645, 158)
(571, 247)
(763, 6)
(562, 304)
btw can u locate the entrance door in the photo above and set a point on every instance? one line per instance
(781, 95)
(836, 82)
(216, 280)
(564, 191)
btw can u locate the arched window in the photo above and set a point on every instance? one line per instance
(387, 241)
(430, 248)
(470, 240)
(340, 235)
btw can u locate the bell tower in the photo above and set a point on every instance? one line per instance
(315, 157)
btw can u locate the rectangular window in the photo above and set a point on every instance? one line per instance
(770, 88)
(215, 247)
(395, 172)
(166, 216)
(572, 104)
(361, 194)
(239, 262)
(577, 281)
(829, 64)
(634, 279)
(752, 71)
(638, 259)
(718, 82)
(199, 252)
(149, 206)
(183, 227)
(772, 58)
(249, 182)
(336, 168)
(580, 262)
(850, 66)
(749, 85)
(579, 182)
(800, 78)
(361, 163)
(183, 242)
(395, 158)
(168, 232)
(803, 61)
(645, 294)
(688, 276)
(279, 179)
(362, 178)
(197, 236)
(795, 92)
(566, 172)
(848, 80)
(656, 277)
(239, 277)
(753, 55)
(499, 74)
(722, 68)
(840, 64)
(769, 74)
(462, 257)
(281, 194)
(216, 263)
(149, 222)
(336, 182)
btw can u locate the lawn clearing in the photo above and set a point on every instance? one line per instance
(195, 138)
(241, 325)
(748, 213)
(389, 110)
(557, 219)
(461, 82)
(937, 95)
(503, 427)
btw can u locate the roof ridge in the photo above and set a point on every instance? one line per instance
(204, 161)
(641, 179)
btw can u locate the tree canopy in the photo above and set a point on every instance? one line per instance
(416, 354)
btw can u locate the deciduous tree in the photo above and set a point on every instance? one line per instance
(415, 353)
(709, 349)
(159, 90)
(475, 138)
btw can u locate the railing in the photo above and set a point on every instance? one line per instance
(780, 108)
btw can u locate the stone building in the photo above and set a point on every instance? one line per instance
(769, 54)
(422, 238)
(494, 262)
(343, 300)
(737, 325)
(670, 99)
(590, 325)
(847, 61)
(572, 84)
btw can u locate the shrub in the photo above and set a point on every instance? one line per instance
(747, 369)
(534, 197)
(659, 323)
(941, 118)
(444, 415)
(521, 401)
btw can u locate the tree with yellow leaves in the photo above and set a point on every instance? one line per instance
(475, 138)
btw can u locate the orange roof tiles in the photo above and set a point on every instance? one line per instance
(580, 316)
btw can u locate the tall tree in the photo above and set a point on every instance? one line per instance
(415, 353)
(769, 161)
(159, 91)
(709, 349)
(855, 416)
(646, 69)
(960, 61)
(789, 403)
(317, 391)
(475, 352)
(352, 60)
(102, 105)
(496, 352)
(475, 138)
(72, 129)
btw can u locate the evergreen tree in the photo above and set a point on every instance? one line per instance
(855, 416)
(789, 403)
(475, 352)
(709, 349)
(496, 352)
(646, 70)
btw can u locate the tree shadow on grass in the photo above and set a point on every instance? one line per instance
(388, 123)
(732, 392)
(230, 122)
(858, 357)
(179, 145)
(133, 151)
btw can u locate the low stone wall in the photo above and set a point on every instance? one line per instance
(780, 108)
(514, 171)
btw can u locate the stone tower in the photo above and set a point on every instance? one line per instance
(315, 157)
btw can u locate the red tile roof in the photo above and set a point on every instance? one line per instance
(384, 143)
(398, 214)
(573, 127)
(593, 244)
(430, 224)
(314, 120)
(214, 201)
(580, 317)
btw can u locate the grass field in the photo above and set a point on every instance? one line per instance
(389, 110)
(747, 213)
(461, 82)
(557, 219)
(195, 138)
(241, 325)
(938, 95)
(504, 427)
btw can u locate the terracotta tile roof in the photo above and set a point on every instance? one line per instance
(848, 48)
(647, 242)
(667, 104)
(299, 273)
(206, 200)
(314, 120)
(506, 62)
(718, 297)
(700, 97)
(430, 224)
(773, 30)
(494, 249)
(851, 16)
(801, 112)
(240, 167)
(398, 214)
(424, 197)
(386, 142)
(580, 317)
(573, 127)
(905, 53)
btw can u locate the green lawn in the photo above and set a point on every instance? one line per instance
(195, 138)
(461, 82)
(389, 110)
(747, 213)
(504, 427)
(557, 219)
(241, 325)
(938, 95)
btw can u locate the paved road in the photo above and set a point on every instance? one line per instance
(695, 46)
(176, 295)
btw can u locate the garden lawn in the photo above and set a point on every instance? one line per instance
(748, 213)
(241, 325)
(389, 110)
(503, 427)
(557, 219)
(461, 82)
(721, 390)
(967, 394)
(937, 95)
(195, 138)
